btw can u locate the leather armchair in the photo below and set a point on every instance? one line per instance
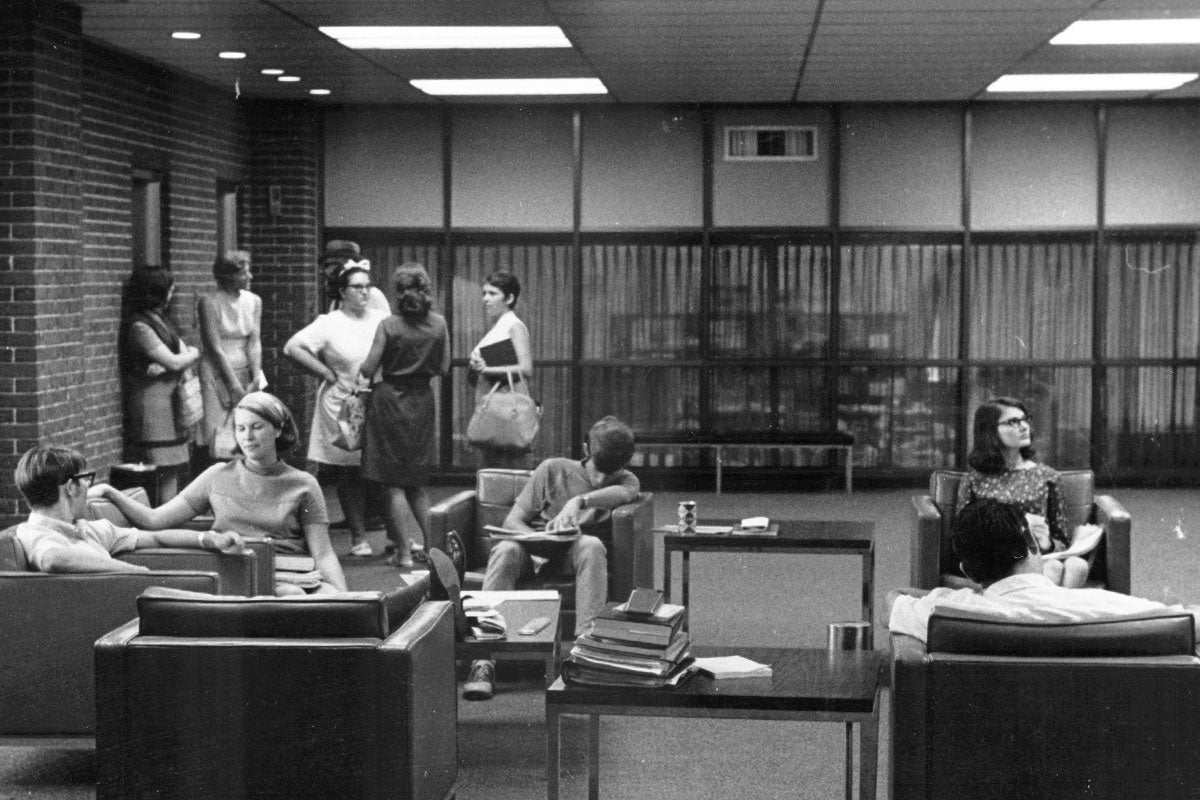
(628, 536)
(313, 697)
(240, 574)
(933, 563)
(49, 622)
(998, 709)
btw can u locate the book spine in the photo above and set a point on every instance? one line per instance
(622, 633)
(614, 621)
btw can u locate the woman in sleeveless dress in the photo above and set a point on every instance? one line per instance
(500, 292)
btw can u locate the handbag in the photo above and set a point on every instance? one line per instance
(188, 401)
(507, 419)
(224, 443)
(350, 419)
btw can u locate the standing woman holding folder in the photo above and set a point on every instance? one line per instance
(504, 352)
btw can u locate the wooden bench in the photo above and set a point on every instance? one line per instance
(717, 443)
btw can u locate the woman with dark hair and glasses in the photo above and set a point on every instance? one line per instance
(411, 348)
(331, 349)
(153, 358)
(255, 494)
(1003, 469)
(230, 330)
(508, 338)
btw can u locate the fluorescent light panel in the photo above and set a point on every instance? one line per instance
(185, 35)
(1131, 31)
(509, 86)
(432, 37)
(1093, 82)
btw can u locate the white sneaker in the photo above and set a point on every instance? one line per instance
(362, 549)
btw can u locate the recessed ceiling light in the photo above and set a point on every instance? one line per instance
(510, 86)
(1093, 82)
(272, 71)
(318, 91)
(185, 35)
(233, 55)
(1131, 31)
(432, 37)
(288, 78)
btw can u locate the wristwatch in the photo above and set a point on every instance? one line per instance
(582, 501)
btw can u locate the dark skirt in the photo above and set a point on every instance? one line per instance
(400, 441)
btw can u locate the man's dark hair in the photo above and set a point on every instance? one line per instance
(610, 443)
(44, 468)
(987, 451)
(990, 538)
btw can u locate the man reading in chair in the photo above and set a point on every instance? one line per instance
(997, 550)
(563, 493)
(58, 537)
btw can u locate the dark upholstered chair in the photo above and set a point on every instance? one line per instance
(995, 710)
(933, 563)
(628, 536)
(48, 624)
(244, 576)
(349, 696)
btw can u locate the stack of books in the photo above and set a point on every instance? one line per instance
(632, 649)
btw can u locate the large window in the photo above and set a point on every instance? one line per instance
(146, 212)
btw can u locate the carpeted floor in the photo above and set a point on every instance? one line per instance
(741, 600)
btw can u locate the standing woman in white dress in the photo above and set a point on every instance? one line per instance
(231, 335)
(500, 292)
(332, 348)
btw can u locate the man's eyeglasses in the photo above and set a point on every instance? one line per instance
(1017, 422)
(85, 477)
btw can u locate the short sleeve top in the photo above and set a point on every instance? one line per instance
(41, 535)
(342, 341)
(276, 504)
(1034, 490)
(414, 347)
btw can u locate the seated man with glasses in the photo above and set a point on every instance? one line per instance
(58, 537)
(564, 493)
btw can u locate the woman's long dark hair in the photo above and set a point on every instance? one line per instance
(987, 451)
(147, 289)
(412, 291)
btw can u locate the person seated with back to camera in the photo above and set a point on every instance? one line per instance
(58, 537)
(997, 550)
(564, 493)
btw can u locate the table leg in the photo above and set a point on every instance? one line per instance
(685, 577)
(552, 753)
(849, 761)
(666, 574)
(593, 757)
(718, 451)
(868, 745)
(868, 588)
(849, 471)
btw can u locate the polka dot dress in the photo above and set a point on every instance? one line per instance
(1033, 490)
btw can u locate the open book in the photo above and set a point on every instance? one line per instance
(1081, 545)
(566, 535)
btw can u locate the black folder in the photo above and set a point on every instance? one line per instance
(499, 354)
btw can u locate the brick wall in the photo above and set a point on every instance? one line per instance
(80, 120)
(41, 305)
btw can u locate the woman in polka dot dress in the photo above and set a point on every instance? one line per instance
(1002, 468)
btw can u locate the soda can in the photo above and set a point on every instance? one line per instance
(687, 516)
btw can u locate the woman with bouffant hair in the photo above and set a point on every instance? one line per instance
(153, 358)
(411, 347)
(255, 494)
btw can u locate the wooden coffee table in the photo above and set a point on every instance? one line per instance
(807, 685)
(802, 537)
(517, 608)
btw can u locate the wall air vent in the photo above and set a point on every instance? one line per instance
(770, 143)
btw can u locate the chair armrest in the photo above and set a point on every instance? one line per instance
(419, 688)
(455, 513)
(1115, 520)
(49, 626)
(926, 544)
(909, 675)
(237, 571)
(631, 562)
